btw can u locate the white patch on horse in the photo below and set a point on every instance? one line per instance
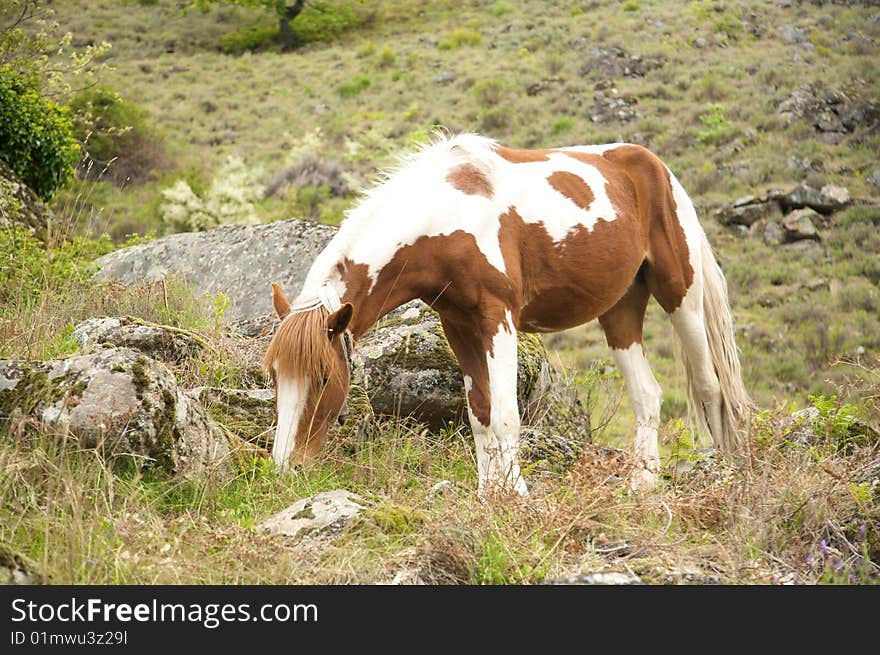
(504, 417)
(291, 402)
(417, 201)
(646, 397)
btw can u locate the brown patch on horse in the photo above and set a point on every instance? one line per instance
(300, 348)
(572, 187)
(469, 179)
(565, 284)
(522, 156)
(623, 323)
(669, 274)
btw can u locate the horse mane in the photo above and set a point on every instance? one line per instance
(300, 347)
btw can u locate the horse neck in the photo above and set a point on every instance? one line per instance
(371, 301)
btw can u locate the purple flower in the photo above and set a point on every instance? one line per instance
(824, 546)
(810, 560)
(863, 530)
(837, 565)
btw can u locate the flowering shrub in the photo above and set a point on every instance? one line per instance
(229, 200)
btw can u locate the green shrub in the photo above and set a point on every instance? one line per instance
(36, 135)
(249, 39)
(489, 92)
(319, 22)
(460, 37)
(563, 124)
(118, 141)
(717, 129)
(631, 5)
(354, 86)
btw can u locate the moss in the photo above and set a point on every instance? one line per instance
(35, 388)
(393, 519)
(139, 377)
(305, 513)
(166, 431)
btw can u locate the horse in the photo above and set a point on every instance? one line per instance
(500, 240)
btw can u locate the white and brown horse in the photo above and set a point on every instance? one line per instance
(499, 240)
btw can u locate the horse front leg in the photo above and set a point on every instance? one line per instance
(487, 354)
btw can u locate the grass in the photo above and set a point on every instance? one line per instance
(808, 321)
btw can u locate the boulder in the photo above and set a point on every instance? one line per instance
(827, 200)
(774, 234)
(117, 400)
(799, 225)
(616, 62)
(874, 178)
(240, 261)
(406, 366)
(316, 519)
(747, 211)
(248, 414)
(162, 342)
(21, 207)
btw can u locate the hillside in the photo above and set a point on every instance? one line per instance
(740, 98)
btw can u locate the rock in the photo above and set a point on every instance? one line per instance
(799, 225)
(549, 452)
(598, 578)
(406, 367)
(828, 199)
(240, 261)
(17, 569)
(610, 107)
(874, 178)
(444, 77)
(829, 111)
(248, 414)
(316, 519)
(747, 211)
(791, 34)
(774, 234)
(616, 62)
(21, 207)
(117, 400)
(162, 342)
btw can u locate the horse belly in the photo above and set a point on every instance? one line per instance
(561, 308)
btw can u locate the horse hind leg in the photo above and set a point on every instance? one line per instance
(623, 332)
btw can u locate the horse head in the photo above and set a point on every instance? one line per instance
(309, 360)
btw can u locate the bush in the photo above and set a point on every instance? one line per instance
(249, 39)
(717, 130)
(36, 135)
(324, 22)
(354, 86)
(117, 139)
(229, 200)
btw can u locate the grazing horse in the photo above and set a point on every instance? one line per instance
(499, 240)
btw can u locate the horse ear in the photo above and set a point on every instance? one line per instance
(282, 306)
(338, 321)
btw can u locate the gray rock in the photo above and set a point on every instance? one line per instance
(162, 342)
(240, 261)
(774, 234)
(598, 578)
(548, 452)
(17, 569)
(117, 400)
(406, 367)
(315, 519)
(828, 199)
(799, 225)
(874, 178)
(791, 34)
(21, 207)
(616, 62)
(747, 211)
(829, 111)
(248, 414)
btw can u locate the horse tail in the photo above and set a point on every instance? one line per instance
(718, 324)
